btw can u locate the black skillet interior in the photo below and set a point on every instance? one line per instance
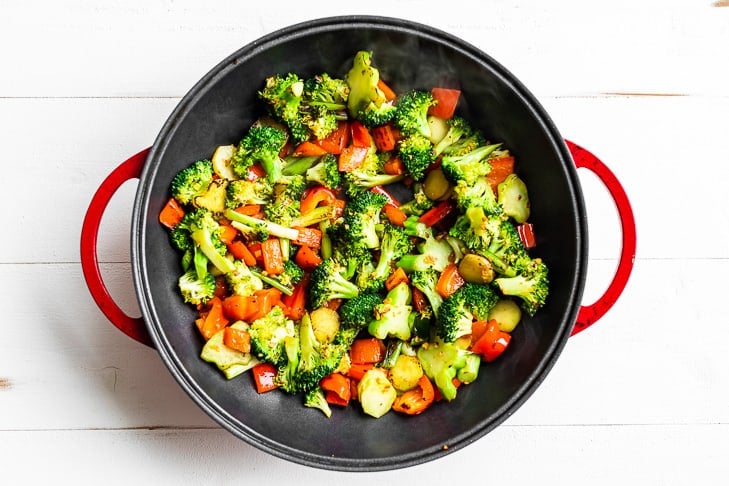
(220, 108)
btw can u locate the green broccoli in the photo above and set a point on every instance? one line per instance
(369, 174)
(394, 244)
(262, 228)
(393, 315)
(192, 181)
(419, 203)
(285, 281)
(268, 336)
(470, 166)
(194, 289)
(458, 311)
(203, 231)
(531, 284)
(465, 144)
(366, 101)
(315, 398)
(298, 165)
(426, 281)
(432, 252)
(325, 172)
(416, 153)
(358, 312)
(411, 112)
(441, 363)
(325, 91)
(283, 95)
(360, 218)
(307, 359)
(241, 192)
(328, 282)
(458, 128)
(262, 143)
(477, 194)
(285, 205)
(242, 281)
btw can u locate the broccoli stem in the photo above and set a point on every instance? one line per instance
(270, 227)
(203, 240)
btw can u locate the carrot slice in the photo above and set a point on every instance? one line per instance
(385, 137)
(237, 339)
(307, 258)
(171, 214)
(396, 278)
(367, 351)
(308, 149)
(273, 261)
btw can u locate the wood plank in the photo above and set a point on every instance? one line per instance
(564, 47)
(663, 455)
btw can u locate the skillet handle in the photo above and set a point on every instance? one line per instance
(133, 327)
(589, 314)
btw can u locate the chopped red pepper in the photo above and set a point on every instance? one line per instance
(264, 376)
(437, 213)
(526, 234)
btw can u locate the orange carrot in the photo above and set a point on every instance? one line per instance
(227, 234)
(396, 278)
(389, 93)
(240, 251)
(394, 166)
(171, 214)
(308, 149)
(394, 214)
(310, 237)
(249, 209)
(214, 319)
(294, 305)
(385, 137)
(367, 351)
(237, 339)
(273, 261)
(351, 158)
(307, 258)
(357, 370)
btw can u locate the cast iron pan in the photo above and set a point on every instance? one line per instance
(218, 110)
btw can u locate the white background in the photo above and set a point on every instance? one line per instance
(639, 398)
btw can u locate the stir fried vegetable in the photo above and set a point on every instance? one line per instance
(310, 275)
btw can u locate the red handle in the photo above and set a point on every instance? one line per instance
(589, 314)
(131, 326)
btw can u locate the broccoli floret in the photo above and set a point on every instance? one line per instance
(242, 281)
(393, 315)
(432, 252)
(325, 172)
(419, 203)
(441, 362)
(194, 289)
(369, 174)
(361, 217)
(262, 143)
(315, 398)
(468, 167)
(328, 282)
(411, 112)
(394, 244)
(478, 194)
(262, 228)
(285, 281)
(531, 284)
(325, 91)
(241, 192)
(192, 181)
(366, 101)
(365, 279)
(426, 282)
(458, 311)
(307, 360)
(465, 144)
(204, 232)
(458, 128)
(352, 254)
(358, 312)
(283, 95)
(416, 153)
(285, 204)
(268, 335)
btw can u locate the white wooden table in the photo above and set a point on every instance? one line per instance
(640, 398)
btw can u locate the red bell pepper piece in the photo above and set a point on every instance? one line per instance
(436, 214)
